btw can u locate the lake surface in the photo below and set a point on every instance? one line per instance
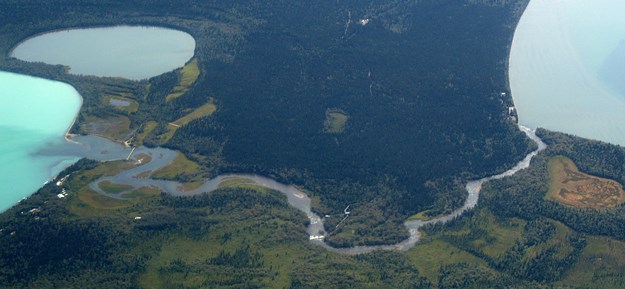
(35, 114)
(133, 52)
(567, 67)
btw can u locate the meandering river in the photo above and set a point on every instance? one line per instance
(159, 157)
(139, 176)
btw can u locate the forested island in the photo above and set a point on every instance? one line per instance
(389, 108)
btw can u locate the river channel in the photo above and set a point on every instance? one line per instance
(139, 176)
(149, 160)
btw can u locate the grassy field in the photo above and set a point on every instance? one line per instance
(202, 111)
(105, 169)
(495, 236)
(88, 200)
(147, 128)
(429, 256)
(335, 121)
(602, 260)
(113, 188)
(243, 183)
(261, 229)
(142, 193)
(576, 189)
(235, 182)
(192, 185)
(181, 248)
(499, 236)
(181, 165)
(187, 75)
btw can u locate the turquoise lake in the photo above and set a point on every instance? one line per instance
(35, 114)
(567, 68)
(133, 52)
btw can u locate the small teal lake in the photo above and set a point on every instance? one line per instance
(35, 114)
(133, 52)
(567, 68)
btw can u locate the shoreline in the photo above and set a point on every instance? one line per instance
(11, 50)
(106, 59)
(552, 69)
(49, 107)
(68, 136)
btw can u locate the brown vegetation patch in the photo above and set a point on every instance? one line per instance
(116, 127)
(573, 188)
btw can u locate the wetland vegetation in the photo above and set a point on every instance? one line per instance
(579, 190)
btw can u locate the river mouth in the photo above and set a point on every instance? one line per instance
(37, 113)
(132, 52)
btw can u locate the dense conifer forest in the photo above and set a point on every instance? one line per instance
(422, 84)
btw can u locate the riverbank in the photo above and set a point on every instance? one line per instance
(139, 177)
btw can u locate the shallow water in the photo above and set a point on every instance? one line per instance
(119, 102)
(133, 52)
(567, 67)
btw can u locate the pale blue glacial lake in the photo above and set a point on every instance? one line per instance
(567, 68)
(133, 52)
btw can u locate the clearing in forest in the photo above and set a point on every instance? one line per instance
(335, 121)
(202, 111)
(573, 188)
(187, 76)
(181, 165)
